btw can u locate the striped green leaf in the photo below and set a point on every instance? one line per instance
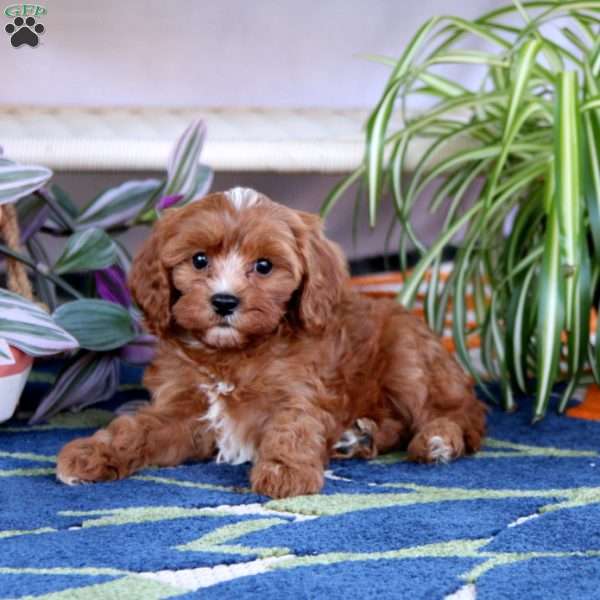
(590, 104)
(524, 64)
(518, 330)
(568, 185)
(376, 130)
(579, 334)
(45, 289)
(485, 33)
(26, 326)
(500, 352)
(550, 318)
(413, 48)
(462, 268)
(468, 57)
(118, 206)
(63, 212)
(339, 190)
(86, 250)
(17, 181)
(591, 175)
(184, 161)
(96, 324)
(64, 200)
(379, 119)
(442, 85)
(89, 378)
(200, 185)
(410, 287)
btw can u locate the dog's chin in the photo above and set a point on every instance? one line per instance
(223, 336)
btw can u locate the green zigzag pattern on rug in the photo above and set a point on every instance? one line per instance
(208, 532)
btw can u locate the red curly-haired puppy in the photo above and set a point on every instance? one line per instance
(266, 355)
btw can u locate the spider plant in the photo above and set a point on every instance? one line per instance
(526, 138)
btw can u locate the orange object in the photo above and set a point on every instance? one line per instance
(590, 407)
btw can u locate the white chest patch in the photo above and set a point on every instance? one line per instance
(233, 449)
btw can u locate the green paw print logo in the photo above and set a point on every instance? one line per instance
(24, 29)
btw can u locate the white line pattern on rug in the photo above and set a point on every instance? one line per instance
(193, 579)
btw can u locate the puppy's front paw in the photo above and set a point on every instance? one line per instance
(439, 442)
(86, 460)
(277, 480)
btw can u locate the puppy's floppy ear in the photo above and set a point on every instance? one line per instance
(325, 273)
(150, 284)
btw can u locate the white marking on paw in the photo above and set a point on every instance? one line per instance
(439, 451)
(67, 479)
(241, 197)
(348, 439)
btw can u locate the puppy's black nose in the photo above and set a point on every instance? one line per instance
(224, 304)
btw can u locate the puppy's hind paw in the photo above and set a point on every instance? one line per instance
(358, 441)
(439, 450)
(440, 441)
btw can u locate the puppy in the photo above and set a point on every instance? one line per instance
(266, 355)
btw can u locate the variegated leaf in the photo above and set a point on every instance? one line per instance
(45, 289)
(89, 378)
(88, 249)
(27, 327)
(201, 185)
(17, 181)
(183, 165)
(96, 324)
(118, 205)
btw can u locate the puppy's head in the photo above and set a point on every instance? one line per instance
(231, 267)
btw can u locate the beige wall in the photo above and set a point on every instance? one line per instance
(222, 53)
(214, 53)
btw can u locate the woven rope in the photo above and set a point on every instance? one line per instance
(17, 280)
(140, 138)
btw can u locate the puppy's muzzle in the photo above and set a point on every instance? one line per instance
(224, 304)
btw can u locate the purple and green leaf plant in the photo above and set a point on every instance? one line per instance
(93, 320)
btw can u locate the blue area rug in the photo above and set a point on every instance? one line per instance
(519, 520)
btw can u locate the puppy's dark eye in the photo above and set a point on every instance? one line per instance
(200, 260)
(263, 266)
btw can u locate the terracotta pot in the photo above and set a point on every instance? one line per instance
(13, 376)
